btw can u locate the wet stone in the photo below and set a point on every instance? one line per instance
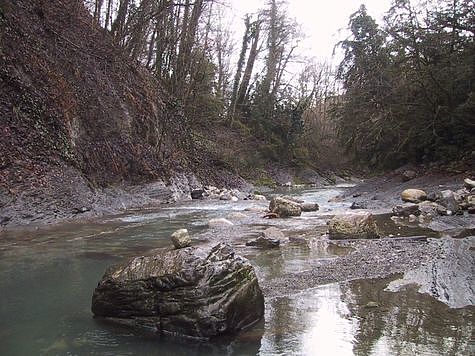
(193, 292)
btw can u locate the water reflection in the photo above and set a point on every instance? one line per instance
(406, 322)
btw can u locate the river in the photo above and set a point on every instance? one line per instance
(47, 277)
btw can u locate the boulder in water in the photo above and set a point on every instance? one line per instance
(284, 208)
(188, 292)
(353, 226)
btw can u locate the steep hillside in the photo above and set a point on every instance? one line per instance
(75, 114)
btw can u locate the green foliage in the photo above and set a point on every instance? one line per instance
(409, 87)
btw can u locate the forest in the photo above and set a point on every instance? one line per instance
(403, 91)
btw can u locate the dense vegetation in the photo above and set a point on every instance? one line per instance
(403, 92)
(409, 86)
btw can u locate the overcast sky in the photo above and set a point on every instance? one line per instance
(321, 20)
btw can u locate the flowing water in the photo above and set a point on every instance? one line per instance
(47, 278)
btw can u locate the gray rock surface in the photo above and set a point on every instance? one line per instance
(353, 226)
(188, 292)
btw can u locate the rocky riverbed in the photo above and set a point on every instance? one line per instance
(306, 271)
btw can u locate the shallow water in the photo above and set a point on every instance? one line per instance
(47, 278)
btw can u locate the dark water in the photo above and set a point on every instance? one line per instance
(47, 278)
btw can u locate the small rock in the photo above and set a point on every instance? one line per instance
(412, 218)
(219, 222)
(413, 195)
(356, 206)
(197, 194)
(258, 197)
(181, 238)
(308, 207)
(271, 237)
(408, 175)
(234, 199)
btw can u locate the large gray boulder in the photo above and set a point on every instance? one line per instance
(284, 207)
(188, 292)
(353, 226)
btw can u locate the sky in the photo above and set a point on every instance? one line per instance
(323, 21)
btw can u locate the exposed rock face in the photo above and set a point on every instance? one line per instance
(271, 237)
(353, 226)
(284, 208)
(189, 292)
(308, 207)
(413, 195)
(181, 238)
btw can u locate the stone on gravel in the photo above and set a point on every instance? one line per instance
(188, 292)
(181, 238)
(408, 175)
(308, 207)
(353, 226)
(413, 195)
(220, 222)
(284, 208)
